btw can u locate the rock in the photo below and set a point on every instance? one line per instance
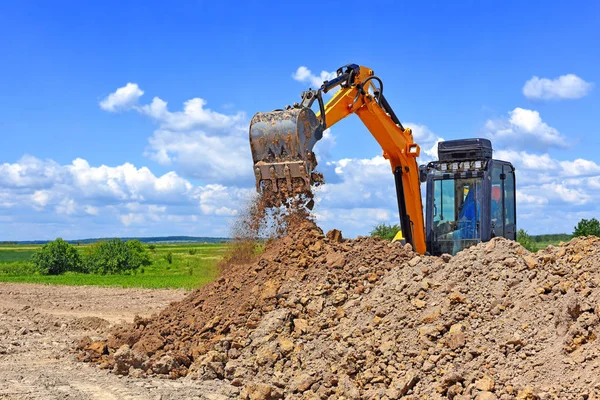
(530, 261)
(339, 298)
(414, 261)
(164, 365)
(431, 316)
(527, 393)
(286, 346)
(302, 383)
(270, 323)
(335, 236)
(300, 326)
(335, 260)
(418, 303)
(98, 348)
(456, 298)
(125, 358)
(258, 391)
(315, 307)
(403, 384)
(452, 377)
(347, 388)
(269, 290)
(149, 345)
(457, 339)
(485, 384)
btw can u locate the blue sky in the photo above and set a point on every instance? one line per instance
(136, 166)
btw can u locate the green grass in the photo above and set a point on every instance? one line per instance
(193, 265)
(15, 255)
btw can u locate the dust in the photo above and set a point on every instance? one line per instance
(266, 217)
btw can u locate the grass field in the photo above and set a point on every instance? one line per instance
(193, 265)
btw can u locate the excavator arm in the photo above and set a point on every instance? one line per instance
(282, 141)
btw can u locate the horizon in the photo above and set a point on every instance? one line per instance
(36, 241)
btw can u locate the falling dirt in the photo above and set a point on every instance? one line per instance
(318, 316)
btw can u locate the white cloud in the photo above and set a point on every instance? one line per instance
(44, 192)
(523, 129)
(564, 87)
(29, 172)
(548, 187)
(40, 198)
(360, 195)
(196, 154)
(194, 115)
(540, 165)
(91, 210)
(197, 141)
(305, 75)
(123, 98)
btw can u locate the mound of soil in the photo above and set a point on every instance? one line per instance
(318, 316)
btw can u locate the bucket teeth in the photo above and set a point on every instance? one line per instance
(273, 177)
(288, 177)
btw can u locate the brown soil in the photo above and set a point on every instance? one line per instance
(323, 317)
(41, 324)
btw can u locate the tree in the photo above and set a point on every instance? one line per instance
(115, 256)
(525, 240)
(385, 231)
(587, 228)
(56, 257)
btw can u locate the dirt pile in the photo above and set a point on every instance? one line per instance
(322, 317)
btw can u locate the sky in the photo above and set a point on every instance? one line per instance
(131, 118)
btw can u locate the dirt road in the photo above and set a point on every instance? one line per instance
(41, 324)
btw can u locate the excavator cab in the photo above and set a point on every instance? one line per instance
(470, 197)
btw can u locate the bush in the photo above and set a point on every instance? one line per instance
(56, 257)
(169, 257)
(385, 231)
(115, 256)
(192, 252)
(526, 241)
(152, 247)
(587, 228)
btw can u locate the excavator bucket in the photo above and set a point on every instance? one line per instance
(281, 142)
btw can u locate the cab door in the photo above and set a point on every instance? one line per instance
(503, 200)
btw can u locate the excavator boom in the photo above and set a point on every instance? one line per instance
(282, 141)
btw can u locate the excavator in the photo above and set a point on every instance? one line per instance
(470, 197)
